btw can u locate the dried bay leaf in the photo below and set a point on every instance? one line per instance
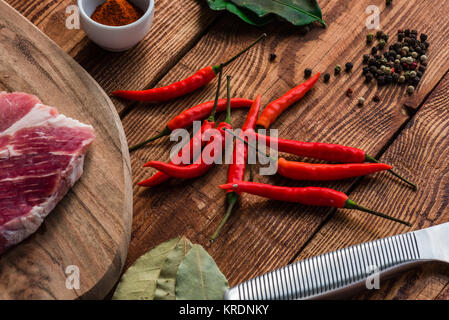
(140, 280)
(165, 288)
(199, 278)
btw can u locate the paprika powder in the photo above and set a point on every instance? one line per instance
(116, 13)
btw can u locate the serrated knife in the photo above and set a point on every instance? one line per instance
(340, 272)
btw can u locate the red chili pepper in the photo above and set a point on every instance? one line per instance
(236, 170)
(186, 118)
(196, 143)
(321, 151)
(198, 169)
(320, 172)
(275, 108)
(160, 177)
(313, 196)
(323, 172)
(199, 112)
(183, 87)
(315, 150)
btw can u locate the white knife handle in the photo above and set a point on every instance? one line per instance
(331, 272)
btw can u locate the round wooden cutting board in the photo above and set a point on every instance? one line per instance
(86, 237)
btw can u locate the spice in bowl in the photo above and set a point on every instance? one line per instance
(116, 13)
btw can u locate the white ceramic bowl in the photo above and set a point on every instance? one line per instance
(116, 38)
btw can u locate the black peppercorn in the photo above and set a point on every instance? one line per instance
(376, 98)
(395, 77)
(414, 31)
(379, 34)
(419, 74)
(327, 77)
(368, 77)
(400, 36)
(365, 58)
(423, 37)
(380, 80)
(385, 37)
(373, 50)
(372, 62)
(272, 57)
(407, 32)
(349, 92)
(307, 72)
(422, 68)
(337, 69)
(415, 81)
(348, 66)
(365, 70)
(373, 69)
(388, 2)
(369, 38)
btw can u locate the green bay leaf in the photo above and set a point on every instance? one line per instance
(199, 278)
(140, 280)
(165, 287)
(297, 12)
(246, 15)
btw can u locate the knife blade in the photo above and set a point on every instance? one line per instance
(343, 271)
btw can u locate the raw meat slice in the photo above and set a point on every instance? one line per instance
(41, 157)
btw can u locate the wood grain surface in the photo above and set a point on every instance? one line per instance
(264, 235)
(90, 228)
(415, 150)
(270, 234)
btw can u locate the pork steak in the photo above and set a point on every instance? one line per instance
(41, 157)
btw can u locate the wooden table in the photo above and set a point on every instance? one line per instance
(409, 132)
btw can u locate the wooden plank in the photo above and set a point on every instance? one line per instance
(141, 67)
(177, 27)
(50, 16)
(269, 234)
(90, 227)
(420, 151)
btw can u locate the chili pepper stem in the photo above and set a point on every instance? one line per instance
(164, 133)
(369, 158)
(231, 200)
(217, 94)
(228, 96)
(218, 68)
(274, 160)
(352, 205)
